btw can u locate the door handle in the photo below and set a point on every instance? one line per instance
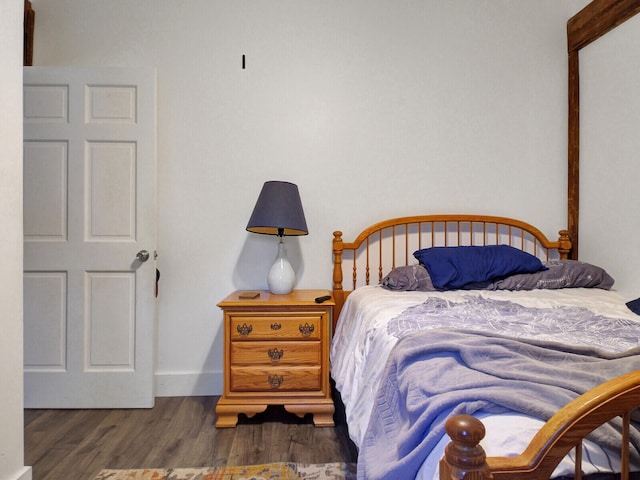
(142, 256)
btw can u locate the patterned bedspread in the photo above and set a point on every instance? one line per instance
(562, 324)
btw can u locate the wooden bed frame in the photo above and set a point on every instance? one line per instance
(465, 459)
(391, 243)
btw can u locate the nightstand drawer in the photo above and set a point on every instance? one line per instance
(276, 353)
(276, 326)
(257, 379)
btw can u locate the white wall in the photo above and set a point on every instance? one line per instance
(11, 415)
(375, 108)
(609, 158)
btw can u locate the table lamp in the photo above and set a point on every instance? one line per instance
(278, 211)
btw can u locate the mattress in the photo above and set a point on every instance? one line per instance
(362, 342)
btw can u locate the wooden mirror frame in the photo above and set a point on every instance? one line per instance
(592, 22)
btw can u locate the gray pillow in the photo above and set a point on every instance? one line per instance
(408, 277)
(560, 274)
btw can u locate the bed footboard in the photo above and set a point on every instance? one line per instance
(465, 459)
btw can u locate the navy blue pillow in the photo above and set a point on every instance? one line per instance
(634, 306)
(455, 267)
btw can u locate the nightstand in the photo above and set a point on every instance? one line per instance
(276, 352)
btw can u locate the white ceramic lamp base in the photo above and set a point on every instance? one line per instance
(281, 277)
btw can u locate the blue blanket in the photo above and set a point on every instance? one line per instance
(433, 374)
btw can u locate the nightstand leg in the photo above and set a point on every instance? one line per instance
(228, 413)
(322, 413)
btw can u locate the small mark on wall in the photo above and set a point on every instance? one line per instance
(243, 62)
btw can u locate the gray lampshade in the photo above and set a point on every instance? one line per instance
(278, 211)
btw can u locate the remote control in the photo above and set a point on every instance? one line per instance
(322, 299)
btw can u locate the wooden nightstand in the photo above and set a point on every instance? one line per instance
(276, 352)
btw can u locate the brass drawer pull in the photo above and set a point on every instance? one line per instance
(276, 326)
(275, 380)
(306, 329)
(245, 329)
(275, 354)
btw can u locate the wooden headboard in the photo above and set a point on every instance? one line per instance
(589, 24)
(391, 243)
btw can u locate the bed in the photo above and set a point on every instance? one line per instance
(413, 357)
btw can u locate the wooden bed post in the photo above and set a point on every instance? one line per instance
(338, 292)
(464, 458)
(565, 244)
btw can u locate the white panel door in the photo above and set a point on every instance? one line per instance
(89, 212)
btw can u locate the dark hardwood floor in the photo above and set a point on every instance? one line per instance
(177, 432)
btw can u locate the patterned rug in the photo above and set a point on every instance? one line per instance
(269, 471)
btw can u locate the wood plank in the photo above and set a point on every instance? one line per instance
(596, 19)
(54, 435)
(573, 188)
(177, 432)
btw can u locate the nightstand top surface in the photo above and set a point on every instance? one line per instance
(265, 297)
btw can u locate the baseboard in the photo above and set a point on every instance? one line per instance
(25, 474)
(188, 384)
